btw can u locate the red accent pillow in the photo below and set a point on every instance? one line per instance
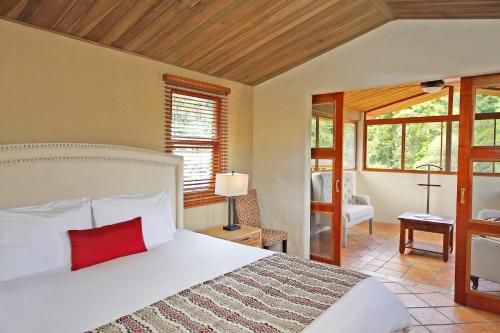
(93, 246)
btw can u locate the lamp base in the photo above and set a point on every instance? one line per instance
(232, 227)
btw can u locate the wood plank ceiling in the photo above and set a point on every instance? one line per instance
(377, 101)
(243, 40)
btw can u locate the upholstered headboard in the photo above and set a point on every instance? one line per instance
(35, 173)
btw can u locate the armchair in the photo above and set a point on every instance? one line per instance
(355, 208)
(485, 252)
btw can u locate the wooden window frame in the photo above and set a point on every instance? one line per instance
(219, 145)
(317, 115)
(449, 118)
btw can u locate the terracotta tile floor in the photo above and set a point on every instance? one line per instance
(423, 281)
(433, 310)
(379, 253)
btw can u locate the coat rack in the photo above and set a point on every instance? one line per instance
(428, 185)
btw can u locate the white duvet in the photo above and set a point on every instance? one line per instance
(82, 300)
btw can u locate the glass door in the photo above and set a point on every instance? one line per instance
(477, 272)
(326, 177)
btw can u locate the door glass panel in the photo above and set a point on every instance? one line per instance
(484, 269)
(454, 146)
(484, 132)
(349, 150)
(486, 122)
(487, 100)
(322, 126)
(321, 165)
(325, 165)
(326, 136)
(483, 167)
(486, 192)
(321, 234)
(314, 120)
(456, 102)
(321, 182)
(497, 132)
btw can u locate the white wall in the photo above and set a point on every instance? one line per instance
(400, 51)
(393, 193)
(58, 89)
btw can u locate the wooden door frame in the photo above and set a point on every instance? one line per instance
(336, 154)
(466, 225)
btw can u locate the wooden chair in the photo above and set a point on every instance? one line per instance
(248, 213)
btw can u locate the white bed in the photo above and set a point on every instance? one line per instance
(88, 298)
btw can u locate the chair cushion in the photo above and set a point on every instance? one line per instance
(271, 237)
(357, 212)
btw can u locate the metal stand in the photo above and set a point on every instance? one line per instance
(428, 184)
(231, 210)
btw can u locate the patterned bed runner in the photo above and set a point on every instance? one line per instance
(279, 293)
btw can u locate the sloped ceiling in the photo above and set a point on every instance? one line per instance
(248, 41)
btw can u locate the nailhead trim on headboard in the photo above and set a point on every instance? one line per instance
(13, 154)
(77, 145)
(90, 158)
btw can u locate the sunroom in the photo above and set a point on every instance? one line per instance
(399, 151)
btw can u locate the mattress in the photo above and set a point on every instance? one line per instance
(88, 298)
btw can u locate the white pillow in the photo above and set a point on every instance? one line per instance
(34, 239)
(158, 225)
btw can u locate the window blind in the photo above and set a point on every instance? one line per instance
(196, 129)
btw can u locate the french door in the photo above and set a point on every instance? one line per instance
(326, 177)
(477, 272)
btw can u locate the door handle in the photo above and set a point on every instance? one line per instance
(462, 195)
(337, 182)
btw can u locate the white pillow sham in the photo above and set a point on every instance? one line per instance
(34, 239)
(158, 224)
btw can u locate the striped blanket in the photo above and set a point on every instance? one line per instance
(279, 293)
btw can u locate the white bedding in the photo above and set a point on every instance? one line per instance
(82, 300)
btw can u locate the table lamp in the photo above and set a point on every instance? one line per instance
(231, 185)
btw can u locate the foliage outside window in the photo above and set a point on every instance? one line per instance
(383, 146)
(427, 142)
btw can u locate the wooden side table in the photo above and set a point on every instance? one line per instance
(443, 225)
(247, 235)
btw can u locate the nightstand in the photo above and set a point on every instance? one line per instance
(247, 235)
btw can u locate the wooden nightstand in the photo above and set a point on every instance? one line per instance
(247, 235)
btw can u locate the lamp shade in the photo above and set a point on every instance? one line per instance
(231, 184)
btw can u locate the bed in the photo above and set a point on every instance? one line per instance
(87, 299)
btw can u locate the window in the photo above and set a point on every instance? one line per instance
(427, 133)
(322, 134)
(425, 144)
(196, 125)
(383, 149)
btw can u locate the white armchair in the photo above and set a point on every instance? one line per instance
(485, 252)
(355, 208)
